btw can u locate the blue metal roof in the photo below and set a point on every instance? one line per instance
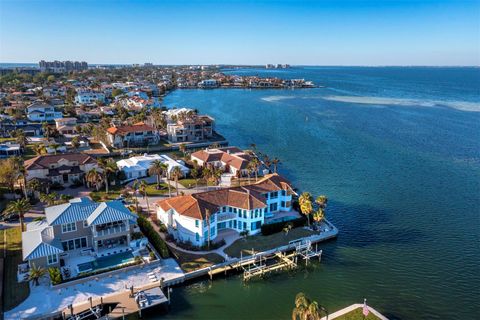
(78, 209)
(109, 212)
(39, 243)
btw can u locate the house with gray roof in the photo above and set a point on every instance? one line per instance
(77, 233)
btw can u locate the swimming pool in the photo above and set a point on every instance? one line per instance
(282, 219)
(106, 262)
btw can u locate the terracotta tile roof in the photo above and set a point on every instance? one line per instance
(247, 197)
(137, 127)
(231, 156)
(43, 162)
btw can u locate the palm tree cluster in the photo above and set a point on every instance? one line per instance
(315, 208)
(306, 309)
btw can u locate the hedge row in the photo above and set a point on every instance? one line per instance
(268, 229)
(153, 236)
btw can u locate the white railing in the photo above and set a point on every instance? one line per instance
(109, 231)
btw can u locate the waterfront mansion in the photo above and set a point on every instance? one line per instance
(238, 208)
(77, 232)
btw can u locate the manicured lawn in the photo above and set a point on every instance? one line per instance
(13, 292)
(264, 243)
(357, 315)
(190, 183)
(113, 193)
(152, 190)
(191, 262)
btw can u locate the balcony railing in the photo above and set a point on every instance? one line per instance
(109, 231)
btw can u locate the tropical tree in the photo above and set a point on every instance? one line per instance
(318, 215)
(195, 173)
(109, 167)
(35, 274)
(39, 149)
(157, 168)
(176, 173)
(275, 163)
(94, 178)
(306, 205)
(20, 137)
(135, 186)
(305, 309)
(321, 201)
(75, 142)
(183, 148)
(20, 174)
(20, 207)
(48, 198)
(143, 189)
(255, 166)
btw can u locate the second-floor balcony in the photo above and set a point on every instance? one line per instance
(109, 230)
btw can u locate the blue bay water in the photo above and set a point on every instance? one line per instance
(397, 151)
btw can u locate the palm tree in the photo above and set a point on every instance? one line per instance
(306, 206)
(176, 173)
(46, 130)
(109, 167)
(195, 173)
(301, 307)
(255, 165)
(94, 178)
(39, 149)
(143, 189)
(135, 186)
(35, 274)
(20, 137)
(75, 142)
(306, 309)
(157, 168)
(183, 148)
(20, 174)
(20, 207)
(275, 163)
(49, 198)
(321, 201)
(319, 215)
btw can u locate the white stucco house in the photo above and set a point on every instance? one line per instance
(138, 167)
(40, 111)
(189, 217)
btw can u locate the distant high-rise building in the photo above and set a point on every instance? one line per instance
(62, 66)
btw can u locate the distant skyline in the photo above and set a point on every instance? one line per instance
(342, 32)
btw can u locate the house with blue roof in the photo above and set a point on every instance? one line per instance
(77, 233)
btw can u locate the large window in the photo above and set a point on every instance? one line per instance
(274, 195)
(74, 244)
(273, 207)
(51, 259)
(196, 223)
(69, 227)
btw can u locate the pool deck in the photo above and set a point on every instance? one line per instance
(45, 300)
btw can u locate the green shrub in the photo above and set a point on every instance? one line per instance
(153, 236)
(55, 275)
(268, 229)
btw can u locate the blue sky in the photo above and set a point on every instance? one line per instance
(442, 32)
